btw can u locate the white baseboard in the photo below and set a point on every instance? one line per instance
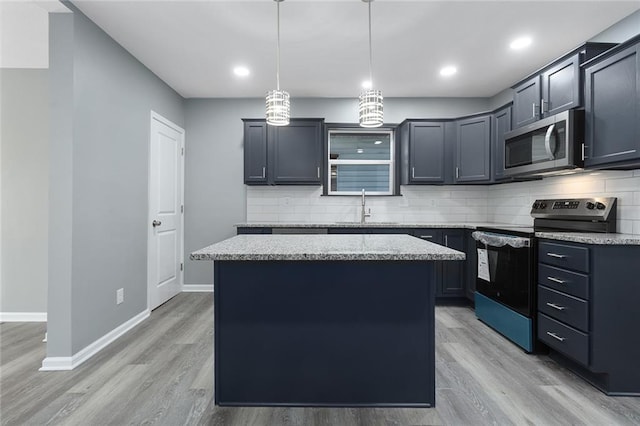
(197, 288)
(23, 317)
(71, 362)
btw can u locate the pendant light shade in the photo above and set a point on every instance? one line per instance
(370, 110)
(278, 106)
(370, 107)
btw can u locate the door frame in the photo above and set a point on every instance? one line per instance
(155, 116)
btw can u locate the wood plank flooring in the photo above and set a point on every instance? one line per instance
(162, 373)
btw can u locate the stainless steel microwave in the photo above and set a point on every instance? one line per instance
(548, 145)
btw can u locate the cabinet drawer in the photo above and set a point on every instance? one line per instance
(564, 255)
(564, 339)
(561, 306)
(568, 282)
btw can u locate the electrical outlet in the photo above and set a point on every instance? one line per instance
(119, 296)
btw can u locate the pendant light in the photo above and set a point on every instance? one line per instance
(370, 112)
(278, 107)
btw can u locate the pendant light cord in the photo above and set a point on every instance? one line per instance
(370, 50)
(278, 48)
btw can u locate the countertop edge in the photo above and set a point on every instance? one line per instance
(594, 239)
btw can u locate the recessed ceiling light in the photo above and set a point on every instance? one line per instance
(366, 84)
(241, 71)
(448, 71)
(520, 43)
(377, 142)
(359, 150)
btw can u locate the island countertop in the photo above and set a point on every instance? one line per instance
(353, 247)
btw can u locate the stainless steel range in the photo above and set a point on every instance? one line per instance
(506, 283)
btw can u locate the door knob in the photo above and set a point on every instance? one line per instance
(156, 223)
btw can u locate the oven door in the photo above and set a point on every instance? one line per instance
(505, 270)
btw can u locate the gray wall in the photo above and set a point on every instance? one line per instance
(101, 103)
(620, 31)
(215, 195)
(24, 126)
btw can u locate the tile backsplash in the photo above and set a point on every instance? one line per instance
(504, 203)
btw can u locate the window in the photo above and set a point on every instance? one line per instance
(360, 159)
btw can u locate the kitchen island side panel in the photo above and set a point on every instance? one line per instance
(324, 333)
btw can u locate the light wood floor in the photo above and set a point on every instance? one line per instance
(161, 373)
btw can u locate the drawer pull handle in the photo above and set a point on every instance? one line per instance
(559, 256)
(556, 280)
(426, 237)
(555, 336)
(554, 306)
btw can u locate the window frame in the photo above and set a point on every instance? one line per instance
(392, 161)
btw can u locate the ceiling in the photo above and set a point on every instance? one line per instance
(194, 45)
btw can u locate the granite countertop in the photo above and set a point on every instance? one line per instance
(592, 238)
(354, 247)
(469, 225)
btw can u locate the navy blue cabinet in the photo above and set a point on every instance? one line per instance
(588, 311)
(286, 155)
(473, 149)
(471, 267)
(448, 276)
(561, 87)
(526, 102)
(452, 281)
(422, 145)
(612, 110)
(255, 152)
(555, 88)
(500, 124)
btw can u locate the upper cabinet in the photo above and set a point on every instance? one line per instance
(423, 152)
(473, 149)
(500, 124)
(526, 102)
(561, 87)
(553, 89)
(289, 155)
(612, 109)
(255, 152)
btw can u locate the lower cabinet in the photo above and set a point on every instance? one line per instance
(471, 266)
(449, 276)
(588, 311)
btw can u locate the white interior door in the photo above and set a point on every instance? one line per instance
(165, 245)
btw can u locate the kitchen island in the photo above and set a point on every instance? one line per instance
(324, 320)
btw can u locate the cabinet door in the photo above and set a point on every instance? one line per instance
(612, 109)
(471, 266)
(473, 150)
(255, 152)
(526, 102)
(561, 87)
(453, 278)
(501, 123)
(296, 152)
(426, 152)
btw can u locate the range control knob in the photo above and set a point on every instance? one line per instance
(600, 206)
(543, 205)
(590, 205)
(535, 206)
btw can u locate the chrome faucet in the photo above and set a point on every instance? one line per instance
(363, 214)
